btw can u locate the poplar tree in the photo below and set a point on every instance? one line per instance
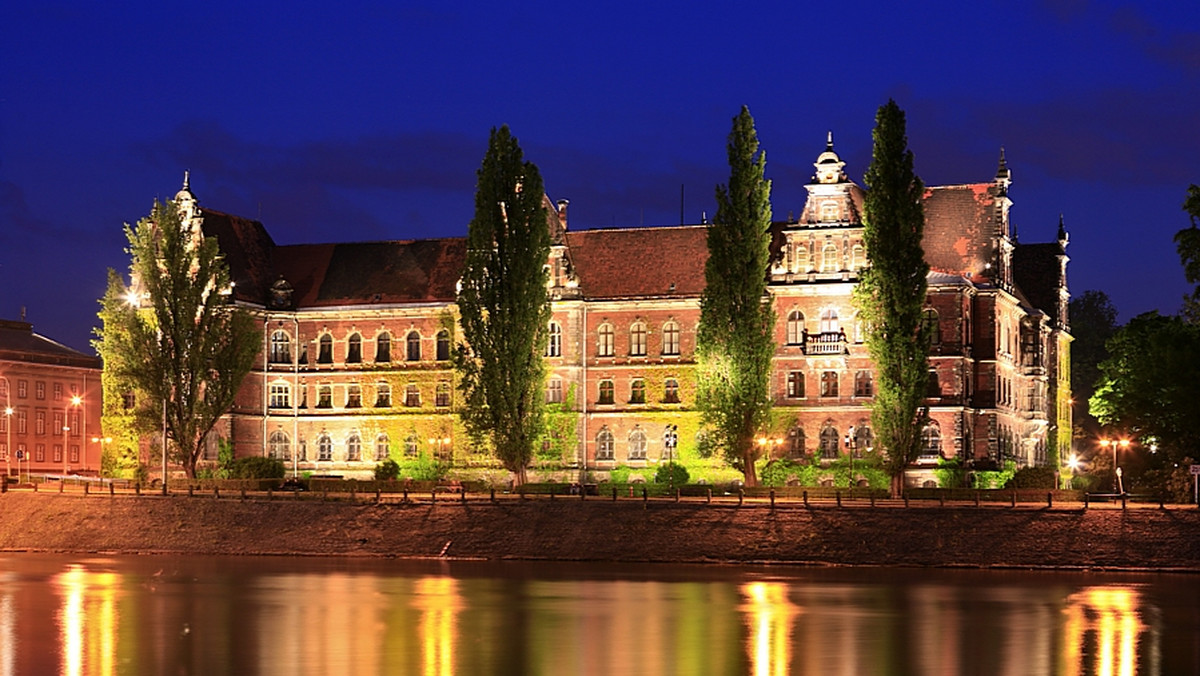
(175, 338)
(735, 338)
(891, 292)
(504, 306)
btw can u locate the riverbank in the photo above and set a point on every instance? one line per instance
(601, 530)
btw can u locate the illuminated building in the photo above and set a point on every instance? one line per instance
(357, 337)
(53, 393)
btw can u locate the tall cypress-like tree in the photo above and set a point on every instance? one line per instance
(735, 340)
(891, 292)
(176, 339)
(504, 305)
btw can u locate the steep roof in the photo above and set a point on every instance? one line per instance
(960, 226)
(1037, 273)
(372, 272)
(640, 262)
(248, 250)
(18, 342)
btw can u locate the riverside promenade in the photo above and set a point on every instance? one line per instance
(721, 529)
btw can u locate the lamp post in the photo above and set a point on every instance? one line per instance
(670, 442)
(1115, 444)
(75, 402)
(102, 441)
(439, 446)
(852, 446)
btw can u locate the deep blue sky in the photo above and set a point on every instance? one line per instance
(362, 121)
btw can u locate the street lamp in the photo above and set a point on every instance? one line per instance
(439, 445)
(102, 441)
(1118, 485)
(76, 400)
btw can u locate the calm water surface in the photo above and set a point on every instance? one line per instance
(212, 615)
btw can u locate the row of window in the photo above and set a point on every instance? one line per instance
(39, 390)
(279, 396)
(39, 452)
(637, 344)
(21, 424)
(279, 445)
(607, 391)
(864, 384)
(281, 348)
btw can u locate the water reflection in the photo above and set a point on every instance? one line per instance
(147, 615)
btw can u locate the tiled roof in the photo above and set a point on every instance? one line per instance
(960, 224)
(248, 251)
(1036, 271)
(372, 272)
(18, 342)
(640, 262)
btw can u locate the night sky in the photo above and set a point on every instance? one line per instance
(356, 121)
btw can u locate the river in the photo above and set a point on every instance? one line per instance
(73, 614)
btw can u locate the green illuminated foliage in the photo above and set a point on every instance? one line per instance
(735, 340)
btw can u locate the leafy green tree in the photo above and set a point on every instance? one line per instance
(175, 338)
(1150, 384)
(891, 292)
(1093, 322)
(735, 338)
(1187, 243)
(504, 306)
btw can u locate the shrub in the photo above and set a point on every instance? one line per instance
(424, 467)
(256, 467)
(1032, 477)
(671, 473)
(387, 470)
(777, 472)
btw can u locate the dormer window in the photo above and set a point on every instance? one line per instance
(829, 212)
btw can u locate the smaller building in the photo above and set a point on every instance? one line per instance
(49, 405)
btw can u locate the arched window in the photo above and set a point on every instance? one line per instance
(829, 441)
(829, 257)
(325, 349)
(383, 347)
(324, 448)
(637, 391)
(383, 395)
(302, 450)
(858, 258)
(412, 447)
(864, 385)
(800, 255)
(931, 439)
(604, 444)
(412, 395)
(353, 447)
(637, 444)
(354, 349)
(554, 344)
(864, 440)
(353, 396)
(931, 327)
(795, 327)
(443, 345)
(671, 391)
(796, 449)
(381, 446)
(670, 338)
(278, 445)
(606, 392)
(281, 348)
(604, 340)
(637, 340)
(324, 396)
(829, 321)
(413, 342)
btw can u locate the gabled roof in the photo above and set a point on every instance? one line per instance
(640, 262)
(960, 226)
(247, 249)
(372, 272)
(18, 342)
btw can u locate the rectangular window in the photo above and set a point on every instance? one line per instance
(412, 396)
(58, 452)
(22, 423)
(3, 422)
(39, 423)
(58, 423)
(4, 388)
(22, 389)
(554, 391)
(442, 396)
(3, 451)
(58, 391)
(324, 396)
(39, 390)
(353, 396)
(637, 392)
(795, 384)
(75, 453)
(383, 395)
(76, 428)
(606, 392)
(280, 395)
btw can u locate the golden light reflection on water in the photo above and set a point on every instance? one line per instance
(88, 621)
(1103, 627)
(439, 602)
(8, 634)
(769, 615)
